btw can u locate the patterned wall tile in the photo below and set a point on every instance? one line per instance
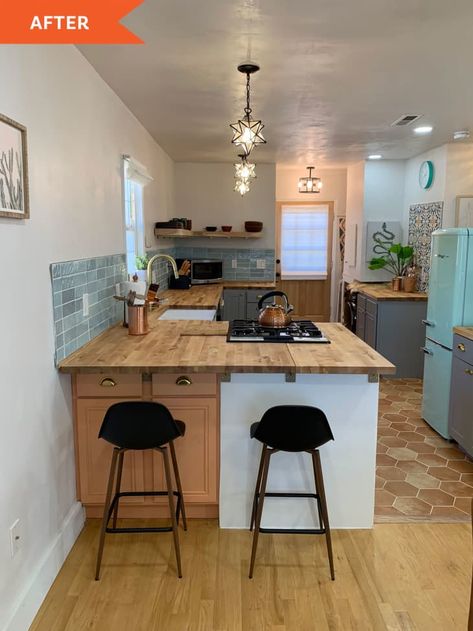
(423, 220)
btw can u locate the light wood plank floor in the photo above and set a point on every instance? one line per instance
(396, 577)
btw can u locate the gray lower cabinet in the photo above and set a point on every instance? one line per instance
(242, 304)
(460, 422)
(394, 328)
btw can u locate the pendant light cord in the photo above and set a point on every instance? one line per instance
(248, 108)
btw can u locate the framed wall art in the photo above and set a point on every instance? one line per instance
(14, 198)
(464, 211)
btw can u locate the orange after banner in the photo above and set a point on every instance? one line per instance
(66, 22)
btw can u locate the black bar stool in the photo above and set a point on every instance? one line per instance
(141, 425)
(294, 428)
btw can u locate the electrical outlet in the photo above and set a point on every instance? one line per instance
(85, 305)
(118, 289)
(260, 264)
(234, 263)
(15, 537)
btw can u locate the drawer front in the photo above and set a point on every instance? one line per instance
(463, 348)
(109, 385)
(371, 307)
(184, 384)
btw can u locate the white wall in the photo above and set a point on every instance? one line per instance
(77, 131)
(204, 193)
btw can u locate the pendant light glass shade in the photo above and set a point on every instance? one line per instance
(244, 170)
(241, 187)
(310, 184)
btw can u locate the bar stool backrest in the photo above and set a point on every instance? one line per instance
(294, 428)
(138, 425)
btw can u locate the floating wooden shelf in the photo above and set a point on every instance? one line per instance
(187, 234)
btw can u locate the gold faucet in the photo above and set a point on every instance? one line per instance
(149, 269)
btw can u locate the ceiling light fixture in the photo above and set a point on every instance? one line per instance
(241, 187)
(247, 131)
(375, 156)
(310, 184)
(463, 134)
(244, 170)
(422, 131)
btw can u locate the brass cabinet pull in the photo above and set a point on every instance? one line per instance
(461, 347)
(108, 383)
(469, 371)
(183, 381)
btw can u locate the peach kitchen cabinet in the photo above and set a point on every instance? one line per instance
(190, 398)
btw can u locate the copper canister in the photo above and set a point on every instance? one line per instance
(137, 320)
(397, 283)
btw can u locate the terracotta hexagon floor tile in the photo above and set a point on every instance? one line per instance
(423, 481)
(412, 466)
(386, 431)
(391, 473)
(383, 498)
(463, 504)
(412, 506)
(467, 478)
(411, 413)
(463, 466)
(383, 460)
(379, 483)
(444, 473)
(451, 453)
(381, 449)
(447, 511)
(402, 427)
(411, 437)
(421, 448)
(436, 441)
(431, 460)
(392, 441)
(388, 511)
(402, 453)
(457, 489)
(395, 418)
(436, 497)
(400, 488)
(426, 432)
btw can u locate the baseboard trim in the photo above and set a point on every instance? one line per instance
(28, 603)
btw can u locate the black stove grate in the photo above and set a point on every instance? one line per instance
(297, 331)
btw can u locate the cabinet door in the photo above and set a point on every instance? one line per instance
(460, 422)
(197, 452)
(94, 456)
(370, 330)
(234, 307)
(360, 321)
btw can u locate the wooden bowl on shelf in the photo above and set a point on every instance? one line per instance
(211, 228)
(227, 228)
(253, 226)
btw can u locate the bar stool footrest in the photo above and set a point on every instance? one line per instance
(139, 494)
(294, 531)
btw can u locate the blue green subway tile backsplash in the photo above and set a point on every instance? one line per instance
(96, 277)
(247, 261)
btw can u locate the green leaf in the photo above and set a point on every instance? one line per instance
(377, 263)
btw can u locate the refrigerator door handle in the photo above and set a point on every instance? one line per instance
(442, 256)
(428, 323)
(427, 351)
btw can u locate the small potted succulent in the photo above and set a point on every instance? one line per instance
(397, 260)
(141, 263)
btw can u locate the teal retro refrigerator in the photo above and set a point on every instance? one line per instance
(450, 304)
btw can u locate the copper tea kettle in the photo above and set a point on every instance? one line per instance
(274, 316)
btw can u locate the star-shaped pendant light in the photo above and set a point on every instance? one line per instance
(247, 131)
(244, 170)
(241, 187)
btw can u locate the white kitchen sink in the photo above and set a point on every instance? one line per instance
(188, 314)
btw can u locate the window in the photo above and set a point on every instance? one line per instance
(304, 241)
(135, 179)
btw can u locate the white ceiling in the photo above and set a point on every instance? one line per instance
(334, 75)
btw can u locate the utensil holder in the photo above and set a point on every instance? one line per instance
(409, 284)
(397, 283)
(137, 320)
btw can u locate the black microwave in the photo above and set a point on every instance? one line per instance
(205, 271)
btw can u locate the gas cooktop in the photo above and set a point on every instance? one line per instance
(296, 331)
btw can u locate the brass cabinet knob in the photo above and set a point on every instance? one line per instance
(183, 381)
(469, 371)
(108, 383)
(461, 347)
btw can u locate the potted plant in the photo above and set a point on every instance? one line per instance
(396, 260)
(141, 262)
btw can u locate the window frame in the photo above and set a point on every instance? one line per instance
(301, 277)
(138, 228)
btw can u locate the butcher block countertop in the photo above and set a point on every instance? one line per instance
(383, 291)
(464, 331)
(207, 296)
(200, 346)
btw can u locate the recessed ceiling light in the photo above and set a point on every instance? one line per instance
(464, 134)
(425, 129)
(375, 156)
